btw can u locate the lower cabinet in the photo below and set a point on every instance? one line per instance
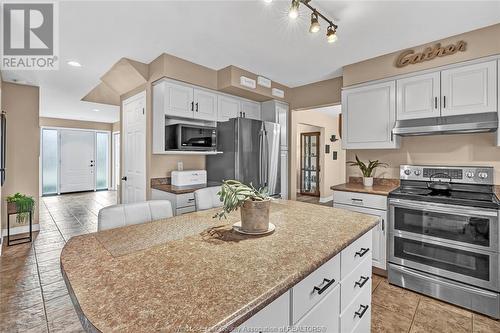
(371, 204)
(336, 297)
(181, 203)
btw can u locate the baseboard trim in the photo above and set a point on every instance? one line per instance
(20, 230)
(326, 199)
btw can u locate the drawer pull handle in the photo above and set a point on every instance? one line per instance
(357, 200)
(362, 252)
(361, 312)
(190, 199)
(325, 287)
(362, 281)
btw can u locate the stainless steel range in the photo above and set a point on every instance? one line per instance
(444, 235)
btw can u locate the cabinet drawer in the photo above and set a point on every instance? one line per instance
(357, 312)
(356, 282)
(271, 318)
(360, 199)
(185, 210)
(324, 315)
(324, 279)
(183, 200)
(355, 253)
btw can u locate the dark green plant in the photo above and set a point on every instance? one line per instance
(24, 206)
(233, 195)
(367, 170)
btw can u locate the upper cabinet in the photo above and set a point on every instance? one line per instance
(277, 112)
(205, 105)
(418, 96)
(368, 116)
(229, 107)
(178, 99)
(250, 109)
(469, 89)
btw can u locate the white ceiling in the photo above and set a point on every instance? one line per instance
(253, 35)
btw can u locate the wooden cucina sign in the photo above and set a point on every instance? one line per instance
(410, 57)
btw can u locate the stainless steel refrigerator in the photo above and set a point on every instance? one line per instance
(250, 153)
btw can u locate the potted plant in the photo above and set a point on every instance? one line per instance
(367, 170)
(254, 205)
(20, 204)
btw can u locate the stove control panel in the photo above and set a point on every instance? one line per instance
(465, 175)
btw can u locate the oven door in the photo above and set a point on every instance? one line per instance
(458, 243)
(462, 264)
(471, 227)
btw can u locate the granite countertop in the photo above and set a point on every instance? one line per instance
(497, 191)
(193, 273)
(177, 189)
(381, 186)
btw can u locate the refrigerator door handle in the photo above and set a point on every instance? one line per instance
(260, 156)
(266, 163)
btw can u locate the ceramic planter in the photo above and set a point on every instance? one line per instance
(11, 208)
(255, 216)
(368, 181)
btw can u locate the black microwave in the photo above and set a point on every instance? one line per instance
(190, 137)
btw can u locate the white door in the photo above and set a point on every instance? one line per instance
(179, 100)
(368, 116)
(205, 105)
(469, 89)
(116, 160)
(418, 96)
(228, 108)
(133, 187)
(77, 161)
(251, 110)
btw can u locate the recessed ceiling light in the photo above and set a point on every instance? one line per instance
(74, 63)
(96, 110)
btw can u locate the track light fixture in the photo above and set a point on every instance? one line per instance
(331, 31)
(314, 23)
(294, 9)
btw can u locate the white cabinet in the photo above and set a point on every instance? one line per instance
(277, 112)
(275, 315)
(418, 96)
(369, 115)
(373, 205)
(181, 203)
(205, 105)
(250, 109)
(469, 89)
(284, 174)
(315, 302)
(178, 100)
(229, 107)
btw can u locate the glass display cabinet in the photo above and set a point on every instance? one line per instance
(309, 163)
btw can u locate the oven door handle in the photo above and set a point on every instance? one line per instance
(445, 209)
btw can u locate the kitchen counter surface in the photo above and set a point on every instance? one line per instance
(177, 189)
(192, 273)
(381, 186)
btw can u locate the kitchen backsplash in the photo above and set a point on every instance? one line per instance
(463, 150)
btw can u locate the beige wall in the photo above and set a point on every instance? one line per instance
(322, 93)
(333, 172)
(480, 43)
(21, 103)
(464, 149)
(68, 123)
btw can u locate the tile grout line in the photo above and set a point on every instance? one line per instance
(414, 314)
(41, 290)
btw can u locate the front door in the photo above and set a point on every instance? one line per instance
(77, 161)
(134, 156)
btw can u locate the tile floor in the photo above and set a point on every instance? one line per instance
(34, 298)
(397, 310)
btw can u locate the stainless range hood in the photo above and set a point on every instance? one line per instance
(467, 123)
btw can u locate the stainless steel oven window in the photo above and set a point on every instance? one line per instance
(462, 262)
(465, 226)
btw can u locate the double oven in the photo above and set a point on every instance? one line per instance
(446, 250)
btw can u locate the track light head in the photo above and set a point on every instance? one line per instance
(294, 9)
(331, 34)
(314, 23)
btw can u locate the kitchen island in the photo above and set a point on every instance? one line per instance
(192, 273)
